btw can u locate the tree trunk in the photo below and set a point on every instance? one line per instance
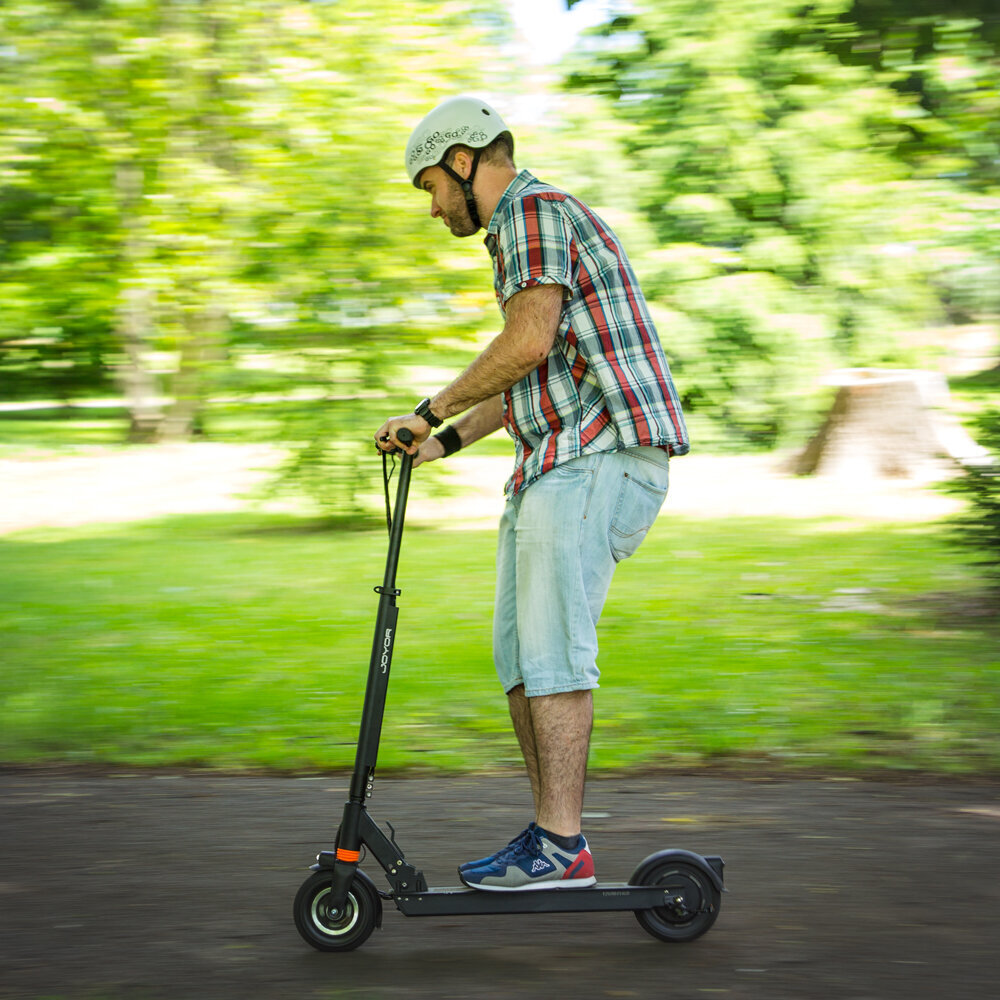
(137, 381)
(199, 349)
(134, 314)
(886, 423)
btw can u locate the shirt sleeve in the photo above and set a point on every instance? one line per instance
(537, 246)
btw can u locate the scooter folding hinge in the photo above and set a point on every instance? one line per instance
(385, 590)
(405, 878)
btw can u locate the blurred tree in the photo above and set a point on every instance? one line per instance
(945, 57)
(946, 53)
(182, 183)
(779, 164)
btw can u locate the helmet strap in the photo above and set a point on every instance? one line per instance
(466, 185)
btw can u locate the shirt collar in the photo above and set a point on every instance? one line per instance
(514, 188)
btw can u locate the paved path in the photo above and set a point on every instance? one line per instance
(139, 886)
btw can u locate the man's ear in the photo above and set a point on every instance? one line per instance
(462, 164)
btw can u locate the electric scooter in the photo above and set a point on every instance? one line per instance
(675, 895)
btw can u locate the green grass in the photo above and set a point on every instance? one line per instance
(60, 428)
(978, 389)
(243, 641)
(67, 428)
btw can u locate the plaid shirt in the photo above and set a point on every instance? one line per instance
(606, 385)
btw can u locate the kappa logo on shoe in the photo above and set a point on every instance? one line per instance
(540, 865)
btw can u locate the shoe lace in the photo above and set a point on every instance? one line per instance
(527, 840)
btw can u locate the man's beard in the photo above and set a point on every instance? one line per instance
(459, 221)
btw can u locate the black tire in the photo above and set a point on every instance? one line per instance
(692, 899)
(350, 927)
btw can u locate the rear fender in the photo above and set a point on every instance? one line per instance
(712, 866)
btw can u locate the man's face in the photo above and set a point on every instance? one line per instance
(447, 201)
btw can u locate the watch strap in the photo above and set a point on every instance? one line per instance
(423, 409)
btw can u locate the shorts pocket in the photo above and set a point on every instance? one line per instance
(638, 504)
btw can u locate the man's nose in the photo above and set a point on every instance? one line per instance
(435, 211)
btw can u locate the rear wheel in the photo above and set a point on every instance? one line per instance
(336, 930)
(691, 900)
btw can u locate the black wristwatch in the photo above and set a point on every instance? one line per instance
(423, 409)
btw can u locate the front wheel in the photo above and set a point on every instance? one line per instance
(691, 899)
(329, 930)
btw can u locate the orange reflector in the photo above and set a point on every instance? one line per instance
(345, 855)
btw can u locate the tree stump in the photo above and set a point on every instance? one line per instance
(888, 423)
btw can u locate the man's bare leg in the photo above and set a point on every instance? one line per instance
(554, 733)
(520, 714)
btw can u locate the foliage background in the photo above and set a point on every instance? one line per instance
(206, 229)
(206, 199)
(821, 181)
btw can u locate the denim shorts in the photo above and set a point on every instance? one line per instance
(559, 542)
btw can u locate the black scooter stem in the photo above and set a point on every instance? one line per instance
(382, 646)
(398, 514)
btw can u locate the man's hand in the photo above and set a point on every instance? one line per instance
(385, 436)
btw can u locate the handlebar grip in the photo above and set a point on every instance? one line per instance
(405, 436)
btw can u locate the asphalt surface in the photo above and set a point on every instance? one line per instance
(152, 885)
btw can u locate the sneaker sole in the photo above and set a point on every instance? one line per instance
(572, 883)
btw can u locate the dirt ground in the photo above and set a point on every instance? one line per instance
(157, 885)
(113, 485)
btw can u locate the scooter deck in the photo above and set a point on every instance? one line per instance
(458, 900)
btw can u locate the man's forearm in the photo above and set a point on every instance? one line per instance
(533, 316)
(524, 343)
(483, 419)
(489, 375)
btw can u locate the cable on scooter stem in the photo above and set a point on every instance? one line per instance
(406, 437)
(386, 476)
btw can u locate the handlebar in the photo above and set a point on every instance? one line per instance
(405, 436)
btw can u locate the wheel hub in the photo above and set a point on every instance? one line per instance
(330, 920)
(678, 907)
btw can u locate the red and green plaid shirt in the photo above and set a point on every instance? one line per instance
(606, 385)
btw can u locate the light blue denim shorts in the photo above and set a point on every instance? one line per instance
(559, 542)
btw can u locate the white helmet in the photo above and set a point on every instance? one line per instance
(465, 120)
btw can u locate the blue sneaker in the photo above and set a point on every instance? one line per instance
(532, 861)
(485, 861)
